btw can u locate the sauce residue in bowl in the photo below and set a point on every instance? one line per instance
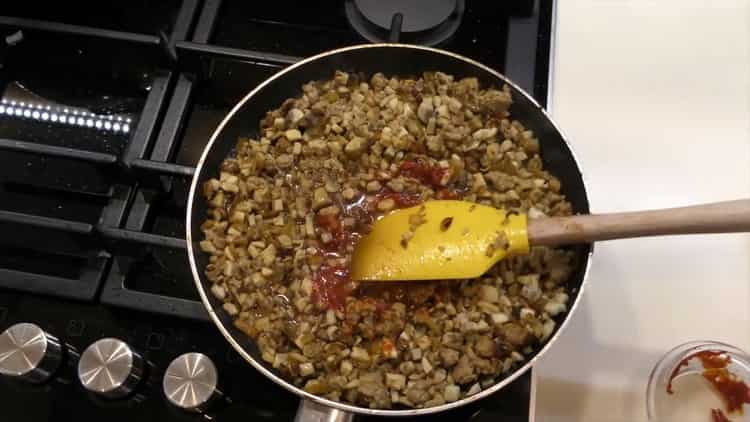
(733, 390)
(718, 416)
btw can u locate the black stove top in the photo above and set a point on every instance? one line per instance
(104, 110)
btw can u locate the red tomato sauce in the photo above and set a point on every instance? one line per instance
(402, 199)
(428, 174)
(332, 284)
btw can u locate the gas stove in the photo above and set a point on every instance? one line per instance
(103, 113)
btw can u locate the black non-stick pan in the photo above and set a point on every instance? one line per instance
(390, 59)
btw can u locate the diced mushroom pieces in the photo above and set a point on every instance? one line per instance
(454, 105)
(499, 318)
(479, 184)
(449, 356)
(395, 381)
(321, 199)
(489, 293)
(463, 372)
(484, 134)
(426, 365)
(531, 292)
(309, 226)
(359, 354)
(268, 255)
(535, 213)
(526, 314)
(529, 279)
(417, 392)
(286, 210)
(218, 291)
(293, 135)
(485, 347)
(330, 211)
(475, 388)
(306, 369)
(231, 308)
(515, 334)
(207, 246)
(386, 204)
(341, 78)
(295, 115)
(285, 241)
(451, 393)
(258, 279)
(425, 110)
(284, 161)
(373, 186)
(318, 146)
(453, 340)
(355, 147)
(407, 367)
(346, 367)
(547, 328)
(416, 353)
(371, 385)
(348, 194)
(554, 308)
(316, 386)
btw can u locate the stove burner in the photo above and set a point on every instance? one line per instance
(424, 22)
(98, 160)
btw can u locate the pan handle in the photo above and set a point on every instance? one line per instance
(310, 411)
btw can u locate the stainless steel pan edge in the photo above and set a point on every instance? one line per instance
(315, 408)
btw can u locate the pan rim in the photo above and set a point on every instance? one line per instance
(339, 405)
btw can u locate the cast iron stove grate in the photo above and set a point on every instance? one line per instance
(92, 217)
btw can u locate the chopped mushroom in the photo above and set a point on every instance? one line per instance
(320, 199)
(395, 381)
(285, 212)
(452, 393)
(463, 372)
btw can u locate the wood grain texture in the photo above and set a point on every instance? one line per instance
(719, 217)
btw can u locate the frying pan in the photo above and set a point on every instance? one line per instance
(391, 59)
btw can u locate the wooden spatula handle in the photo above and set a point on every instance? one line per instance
(719, 217)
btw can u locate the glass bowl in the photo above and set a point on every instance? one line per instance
(693, 398)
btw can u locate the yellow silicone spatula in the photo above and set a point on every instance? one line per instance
(457, 240)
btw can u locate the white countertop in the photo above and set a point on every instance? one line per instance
(654, 96)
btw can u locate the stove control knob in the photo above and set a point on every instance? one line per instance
(28, 353)
(191, 382)
(109, 367)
